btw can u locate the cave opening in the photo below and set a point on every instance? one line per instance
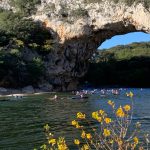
(125, 39)
(122, 61)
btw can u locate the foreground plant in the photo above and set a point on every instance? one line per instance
(111, 134)
(53, 143)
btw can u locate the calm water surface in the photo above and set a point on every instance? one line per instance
(22, 121)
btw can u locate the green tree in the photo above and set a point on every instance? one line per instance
(35, 69)
(25, 7)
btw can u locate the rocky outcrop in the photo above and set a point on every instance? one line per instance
(79, 27)
(29, 89)
(71, 19)
(5, 4)
(3, 91)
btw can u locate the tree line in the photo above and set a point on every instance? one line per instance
(121, 66)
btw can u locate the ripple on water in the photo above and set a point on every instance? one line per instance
(21, 122)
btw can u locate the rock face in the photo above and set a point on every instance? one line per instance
(3, 91)
(5, 4)
(29, 89)
(79, 27)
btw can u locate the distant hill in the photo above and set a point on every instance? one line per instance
(127, 65)
(122, 52)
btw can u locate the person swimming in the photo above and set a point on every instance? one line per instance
(115, 92)
(54, 98)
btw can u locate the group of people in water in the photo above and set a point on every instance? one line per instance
(55, 97)
(82, 94)
(16, 96)
(85, 93)
(102, 92)
(79, 94)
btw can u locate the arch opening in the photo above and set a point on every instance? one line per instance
(125, 39)
(123, 60)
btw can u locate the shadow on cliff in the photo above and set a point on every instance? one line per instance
(77, 51)
(134, 72)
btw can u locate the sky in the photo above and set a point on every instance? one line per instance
(125, 39)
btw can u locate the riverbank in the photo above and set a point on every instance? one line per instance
(24, 94)
(26, 91)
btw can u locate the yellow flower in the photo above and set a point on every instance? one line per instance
(74, 122)
(80, 115)
(95, 115)
(101, 112)
(85, 147)
(61, 143)
(99, 119)
(120, 142)
(88, 136)
(52, 141)
(78, 126)
(111, 141)
(127, 107)
(120, 113)
(136, 140)
(111, 103)
(130, 94)
(83, 134)
(106, 132)
(76, 141)
(62, 147)
(108, 120)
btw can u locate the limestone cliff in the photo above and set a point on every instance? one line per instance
(79, 27)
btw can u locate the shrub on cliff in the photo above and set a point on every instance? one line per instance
(19, 36)
(35, 69)
(14, 25)
(17, 72)
(25, 7)
(128, 2)
(27, 32)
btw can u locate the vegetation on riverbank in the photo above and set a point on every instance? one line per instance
(24, 45)
(122, 65)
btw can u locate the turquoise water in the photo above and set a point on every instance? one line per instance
(22, 121)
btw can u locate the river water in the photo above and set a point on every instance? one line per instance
(22, 121)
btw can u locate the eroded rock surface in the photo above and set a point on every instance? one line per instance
(78, 28)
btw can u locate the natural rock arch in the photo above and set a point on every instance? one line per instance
(78, 28)
(79, 36)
